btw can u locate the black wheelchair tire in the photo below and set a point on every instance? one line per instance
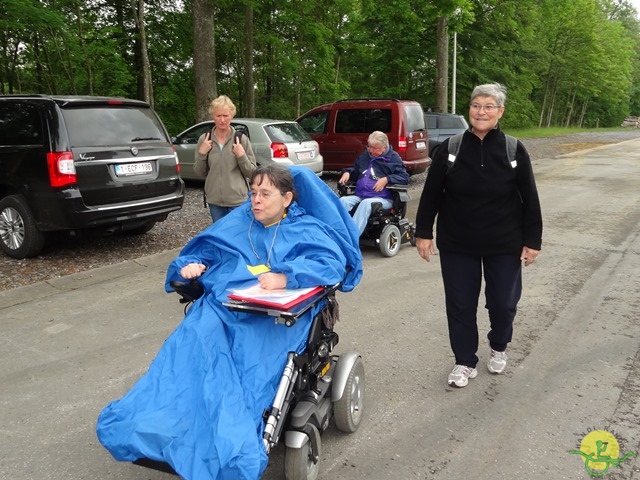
(15, 215)
(347, 412)
(298, 462)
(390, 241)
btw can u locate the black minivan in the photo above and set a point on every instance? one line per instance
(82, 163)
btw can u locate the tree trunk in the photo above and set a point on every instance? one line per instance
(569, 114)
(145, 86)
(82, 43)
(204, 57)
(442, 65)
(248, 61)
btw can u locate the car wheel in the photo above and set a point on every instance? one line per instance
(18, 232)
(299, 463)
(347, 412)
(390, 240)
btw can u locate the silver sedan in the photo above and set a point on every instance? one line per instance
(281, 141)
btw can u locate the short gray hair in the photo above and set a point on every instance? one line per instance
(378, 138)
(494, 90)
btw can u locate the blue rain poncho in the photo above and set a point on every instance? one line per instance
(199, 407)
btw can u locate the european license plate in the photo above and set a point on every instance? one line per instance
(124, 169)
(421, 145)
(305, 155)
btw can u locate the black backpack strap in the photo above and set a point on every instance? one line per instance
(512, 147)
(454, 148)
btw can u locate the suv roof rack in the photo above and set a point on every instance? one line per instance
(63, 100)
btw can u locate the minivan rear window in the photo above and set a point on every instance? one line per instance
(363, 120)
(415, 117)
(126, 125)
(20, 124)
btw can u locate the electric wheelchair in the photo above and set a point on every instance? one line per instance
(386, 228)
(316, 386)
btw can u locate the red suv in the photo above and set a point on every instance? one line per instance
(343, 127)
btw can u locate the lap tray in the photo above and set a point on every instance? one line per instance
(286, 316)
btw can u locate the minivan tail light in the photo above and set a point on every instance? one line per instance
(279, 150)
(62, 169)
(402, 144)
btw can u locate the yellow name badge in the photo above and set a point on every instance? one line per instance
(258, 269)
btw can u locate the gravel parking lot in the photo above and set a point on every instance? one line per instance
(67, 256)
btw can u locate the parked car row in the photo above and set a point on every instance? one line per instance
(81, 164)
(330, 138)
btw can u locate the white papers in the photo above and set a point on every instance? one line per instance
(284, 297)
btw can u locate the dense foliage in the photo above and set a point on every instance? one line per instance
(565, 62)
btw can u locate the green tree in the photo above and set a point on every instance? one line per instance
(565, 62)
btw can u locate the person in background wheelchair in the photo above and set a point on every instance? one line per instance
(375, 168)
(200, 406)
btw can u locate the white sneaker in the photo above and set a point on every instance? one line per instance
(461, 374)
(497, 361)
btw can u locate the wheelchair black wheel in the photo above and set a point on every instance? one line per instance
(299, 462)
(347, 411)
(390, 240)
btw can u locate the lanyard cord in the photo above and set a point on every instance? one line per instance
(273, 241)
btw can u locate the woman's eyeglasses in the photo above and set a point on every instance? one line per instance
(486, 108)
(264, 194)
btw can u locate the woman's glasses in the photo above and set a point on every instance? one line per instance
(486, 108)
(264, 194)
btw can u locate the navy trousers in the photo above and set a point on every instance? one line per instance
(462, 277)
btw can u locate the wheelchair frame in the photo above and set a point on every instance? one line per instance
(315, 386)
(387, 229)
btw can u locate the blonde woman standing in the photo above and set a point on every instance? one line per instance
(225, 159)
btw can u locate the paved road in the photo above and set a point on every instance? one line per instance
(71, 345)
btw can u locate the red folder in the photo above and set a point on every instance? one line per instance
(283, 299)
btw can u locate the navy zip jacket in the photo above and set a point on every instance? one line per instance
(389, 165)
(484, 205)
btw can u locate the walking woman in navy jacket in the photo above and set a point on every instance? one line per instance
(489, 223)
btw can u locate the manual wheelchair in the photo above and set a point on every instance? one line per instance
(315, 386)
(386, 228)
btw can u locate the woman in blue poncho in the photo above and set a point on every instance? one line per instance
(199, 407)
